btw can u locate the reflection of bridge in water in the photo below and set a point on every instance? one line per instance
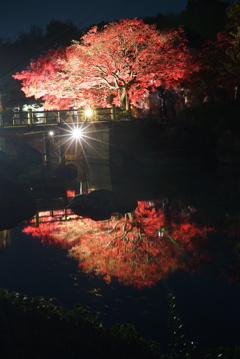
(61, 214)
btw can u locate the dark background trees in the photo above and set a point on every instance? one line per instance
(202, 19)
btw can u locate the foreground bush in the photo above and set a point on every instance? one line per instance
(35, 328)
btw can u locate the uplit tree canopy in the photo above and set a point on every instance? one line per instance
(39, 79)
(122, 62)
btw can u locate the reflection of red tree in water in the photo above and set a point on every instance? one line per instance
(136, 249)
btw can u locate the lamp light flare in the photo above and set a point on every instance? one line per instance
(51, 133)
(77, 133)
(88, 112)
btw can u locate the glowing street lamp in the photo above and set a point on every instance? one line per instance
(88, 112)
(77, 133)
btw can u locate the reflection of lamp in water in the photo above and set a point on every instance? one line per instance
(163, 232)
(88, 113)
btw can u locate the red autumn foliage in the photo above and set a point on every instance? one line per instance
(71, 193)
(132, 249)
(39, 78)
(124, 61)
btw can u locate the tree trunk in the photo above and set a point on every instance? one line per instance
(124, 99)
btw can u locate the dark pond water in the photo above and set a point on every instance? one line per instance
(205, 274)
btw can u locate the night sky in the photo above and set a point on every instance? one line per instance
(19, 15)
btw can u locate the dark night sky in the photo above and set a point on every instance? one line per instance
(18, 15)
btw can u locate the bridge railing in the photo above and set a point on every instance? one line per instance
(19, 118)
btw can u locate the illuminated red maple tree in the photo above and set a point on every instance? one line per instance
(122, 62)
(135, 249)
